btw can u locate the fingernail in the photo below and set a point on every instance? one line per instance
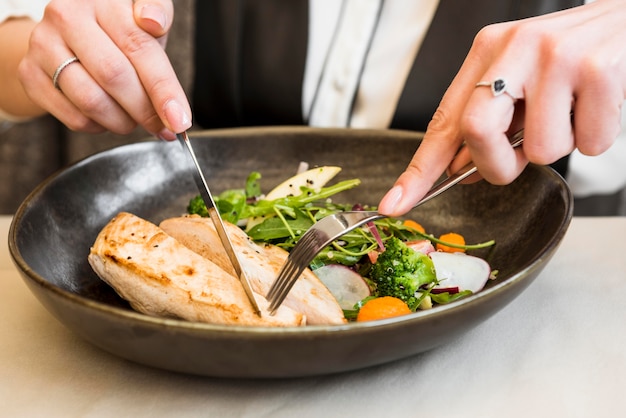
(391, 200)
(176, 116)
(155, 14)
(166, 135)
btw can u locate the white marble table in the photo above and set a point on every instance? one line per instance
(559, 350)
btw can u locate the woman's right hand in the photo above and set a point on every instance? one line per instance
(123, 77)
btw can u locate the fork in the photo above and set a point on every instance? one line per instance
(331, 227)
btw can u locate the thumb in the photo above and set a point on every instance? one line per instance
(154, 16)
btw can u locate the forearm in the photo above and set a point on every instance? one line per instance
(14, 36)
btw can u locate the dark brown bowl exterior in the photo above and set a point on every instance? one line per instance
(53, 229)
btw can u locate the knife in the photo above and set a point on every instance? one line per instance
(217, 220)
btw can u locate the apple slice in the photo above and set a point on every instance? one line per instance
(345, 284)
(314, 178)
(461, 270)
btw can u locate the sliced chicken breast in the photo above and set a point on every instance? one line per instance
(159, 276)
(261, 263)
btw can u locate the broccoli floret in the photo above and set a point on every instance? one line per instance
(400, 271)
(197, 207)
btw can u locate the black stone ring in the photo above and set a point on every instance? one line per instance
(498, 87)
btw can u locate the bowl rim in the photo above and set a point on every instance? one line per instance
(267, 331)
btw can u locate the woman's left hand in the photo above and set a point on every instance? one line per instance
(552, 65)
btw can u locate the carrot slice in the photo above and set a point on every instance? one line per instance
(409, 223)
(383, 307)
(452, 238)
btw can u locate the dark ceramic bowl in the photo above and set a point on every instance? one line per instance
(55, 226)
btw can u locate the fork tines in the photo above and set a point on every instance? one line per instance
(297, 261)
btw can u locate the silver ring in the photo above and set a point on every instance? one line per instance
(497, 86)
(60, 68)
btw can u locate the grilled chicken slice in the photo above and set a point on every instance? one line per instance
(261, 263)
(159, 276)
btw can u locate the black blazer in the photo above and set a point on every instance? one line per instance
(250, 57)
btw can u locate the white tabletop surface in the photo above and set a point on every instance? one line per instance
(559, 350)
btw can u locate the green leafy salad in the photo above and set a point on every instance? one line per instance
(387, 258)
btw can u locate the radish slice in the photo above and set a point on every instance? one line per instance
(466, 272)
(345, 284)
(424, 246)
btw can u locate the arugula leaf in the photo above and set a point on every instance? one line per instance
(253, 186)
(276, 228)
(231, 204)
(267, 207)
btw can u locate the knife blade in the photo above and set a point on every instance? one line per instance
(207, 197)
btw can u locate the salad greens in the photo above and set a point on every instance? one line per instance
(282, 221)
(286, 219)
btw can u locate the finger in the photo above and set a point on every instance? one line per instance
(594, 100)
(485, 126)
(492, 109)
(154, 16)
(36, 79)
(549, 98)
(439, 145)
(597, 122)
(111, 70)
(424, 169)
(597, 109)
(154, 70)
(490, 118)
(39, 88)
(548, 131)
(48, 46)
(463, 157)
(77, 85)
